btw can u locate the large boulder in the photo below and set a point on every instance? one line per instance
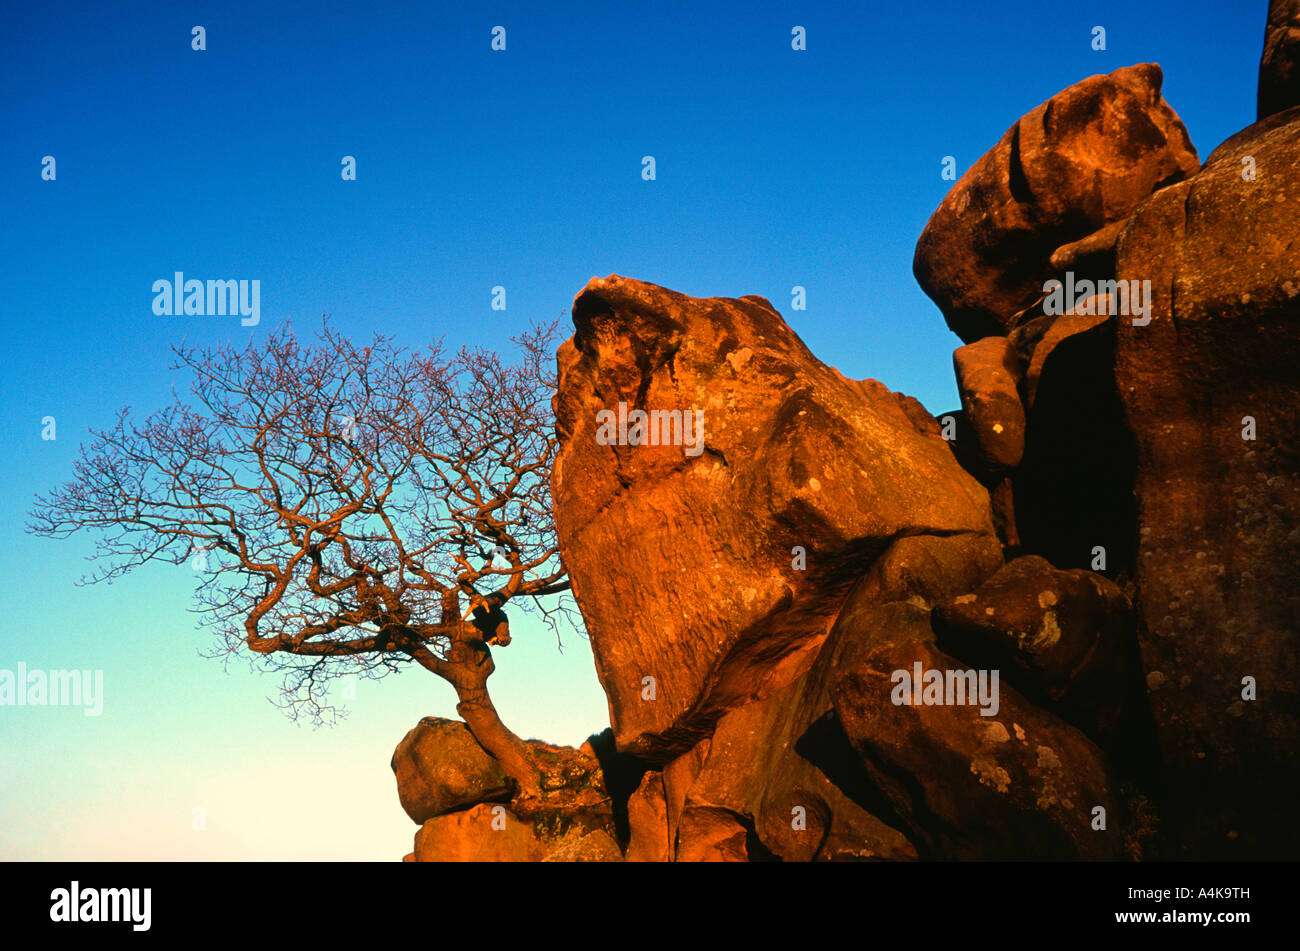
(440, 768)
(1065, 172)
(708, 571)
(1279, 65)
(1211, 394)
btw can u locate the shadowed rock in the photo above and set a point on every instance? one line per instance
(1073, 491)
(1279, 65)
(1062, 637)
(1020, 784)
(1218, 566)
(1036, 340)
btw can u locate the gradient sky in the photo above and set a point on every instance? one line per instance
(476, 168)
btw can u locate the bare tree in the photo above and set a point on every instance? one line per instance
(354, 509)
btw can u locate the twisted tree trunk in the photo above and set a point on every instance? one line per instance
(467, 664)
(470, 665)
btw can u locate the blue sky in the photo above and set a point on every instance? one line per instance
(475, 168)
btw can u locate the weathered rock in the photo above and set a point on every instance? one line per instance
(987, 376)
(575, 800)
(682, 557)
(1080, 161)
(922, 570)
(1279, 65)
(480, 834)
(758, 773)
(1019, 784)
(647, 811)
(678, 776)
(1092, 254)
(440, 767)
(783, 766)
(1063, 638)
(620, 776)
(1218, 567)
(596, 845)
(711, 835)
(441, 770)
(569, 776)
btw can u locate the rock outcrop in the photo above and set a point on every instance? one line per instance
(794, 760)
(1059, 623)
(735, 545)
(458, 796)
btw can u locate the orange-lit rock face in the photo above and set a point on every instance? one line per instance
(1079, 162)
(706, 579)
(484, 833)
(647, 813)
